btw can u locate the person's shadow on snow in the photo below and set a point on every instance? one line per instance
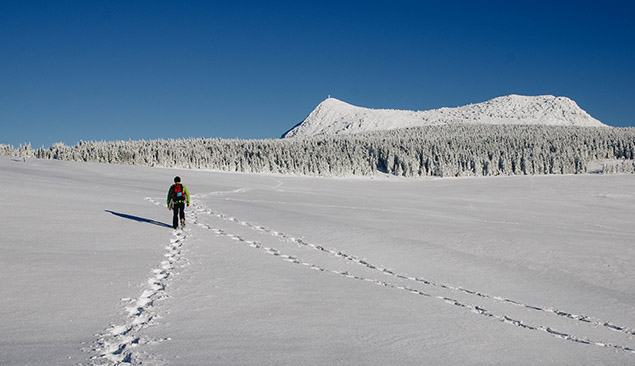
(139, 219)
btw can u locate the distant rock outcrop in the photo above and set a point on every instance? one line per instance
(333, 116)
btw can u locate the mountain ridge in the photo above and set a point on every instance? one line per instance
(333, 116)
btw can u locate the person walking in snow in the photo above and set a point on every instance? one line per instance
(178, 197)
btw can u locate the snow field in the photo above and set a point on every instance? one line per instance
(433, 289)
(557, 323)
(286, 270)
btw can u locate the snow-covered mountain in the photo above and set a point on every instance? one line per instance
(333, 116)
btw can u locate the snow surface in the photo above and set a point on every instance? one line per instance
(333, 116)
(282, 270)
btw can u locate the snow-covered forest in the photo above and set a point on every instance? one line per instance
(444, 151)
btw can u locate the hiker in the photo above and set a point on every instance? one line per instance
(178, 197)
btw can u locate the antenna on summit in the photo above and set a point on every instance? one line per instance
(329, 95)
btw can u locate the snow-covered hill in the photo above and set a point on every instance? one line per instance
(333, 116)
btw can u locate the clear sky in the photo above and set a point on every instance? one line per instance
(119, 70)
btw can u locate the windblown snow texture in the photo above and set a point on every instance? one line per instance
(333, 116)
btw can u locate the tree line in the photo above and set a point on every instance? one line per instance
(443, 151)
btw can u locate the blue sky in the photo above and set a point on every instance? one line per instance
(119, 70)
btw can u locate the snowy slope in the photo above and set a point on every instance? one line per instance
(333, 116)
(281, 270)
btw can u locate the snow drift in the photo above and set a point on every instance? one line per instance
(333, 116)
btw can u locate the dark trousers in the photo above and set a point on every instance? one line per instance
(179, 210)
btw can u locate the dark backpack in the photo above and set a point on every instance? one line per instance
(178, 195)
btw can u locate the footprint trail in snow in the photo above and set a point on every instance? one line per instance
(119, 344)
(438, 291)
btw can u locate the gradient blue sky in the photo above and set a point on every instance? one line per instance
(106, 70)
